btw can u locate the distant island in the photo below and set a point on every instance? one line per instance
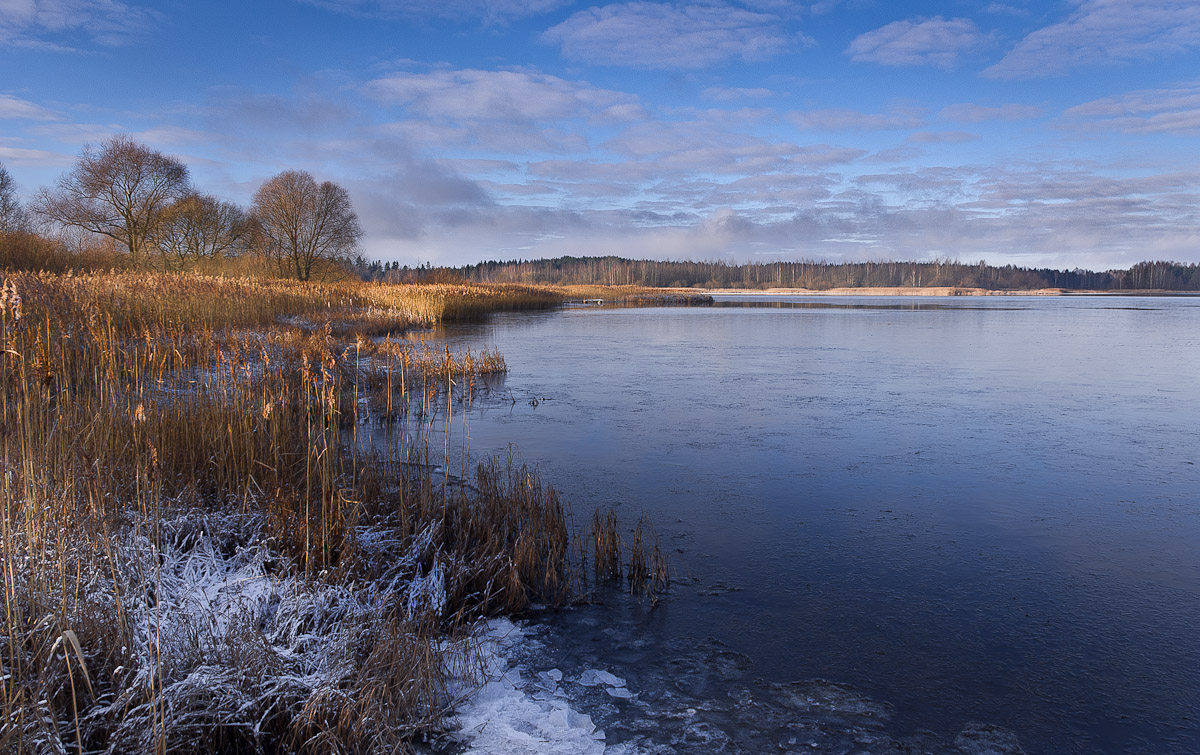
(939, 277)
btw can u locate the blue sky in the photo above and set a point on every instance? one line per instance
(1034, 133)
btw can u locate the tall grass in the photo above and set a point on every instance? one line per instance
(633, 295)
(198, 553)
(161, 434)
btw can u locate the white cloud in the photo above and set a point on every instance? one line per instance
(478, 95)
(931, 41)
(669, 36)
(512, 111)
(691, 155)
(838, 119)
(1149, 111)
(671, 137)
(733, 94)
(1047, 213)
(947, 183)
(1104, 32)
(168, 136)
(233, 109)
(1007, 10)
(41, 157)
(487, 11)
(76, 133)
(13, 107)
(57, 24)
(587, 171)
(895, 155)
(941, 137)
(971, 113)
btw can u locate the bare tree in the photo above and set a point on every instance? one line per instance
(200, 226)
(12, 215)
(119, 190)
(301, 221)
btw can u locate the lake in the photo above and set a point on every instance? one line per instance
(967, 510)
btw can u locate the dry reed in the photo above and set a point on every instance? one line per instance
(606, 546)
(647, 572)
(197, 554)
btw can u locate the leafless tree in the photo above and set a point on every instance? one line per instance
(198, 227)
(119, 190)
(12, 215)
(301, 221)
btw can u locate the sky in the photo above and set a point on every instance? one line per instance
(1061, 133)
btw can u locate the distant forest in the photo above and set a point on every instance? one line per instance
(1169, 276)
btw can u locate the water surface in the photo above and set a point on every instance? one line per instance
(970, 510)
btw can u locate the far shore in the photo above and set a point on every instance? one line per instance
(931, 291)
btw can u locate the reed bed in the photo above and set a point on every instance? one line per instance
(634, 295)
(197, 552)
(135, 300)
(430, 304)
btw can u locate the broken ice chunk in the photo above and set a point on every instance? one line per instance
(594, 677)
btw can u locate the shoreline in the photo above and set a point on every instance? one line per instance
(929, 291)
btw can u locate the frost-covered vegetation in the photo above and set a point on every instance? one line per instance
(198, 551)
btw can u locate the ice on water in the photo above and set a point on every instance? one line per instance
(553, 689)
(519, 714)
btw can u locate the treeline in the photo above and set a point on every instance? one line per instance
(1169, 276)
(124, 205)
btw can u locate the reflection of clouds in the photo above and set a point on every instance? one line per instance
(1102, 32)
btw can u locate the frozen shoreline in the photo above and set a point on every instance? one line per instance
(887, 291)
(929, 291)
(514, 713)
(548, 693)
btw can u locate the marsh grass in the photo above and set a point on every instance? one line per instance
(199, 554)
(634, 295)
(648, 573)
(606, 546)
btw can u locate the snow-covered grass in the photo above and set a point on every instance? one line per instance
(197, 556)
